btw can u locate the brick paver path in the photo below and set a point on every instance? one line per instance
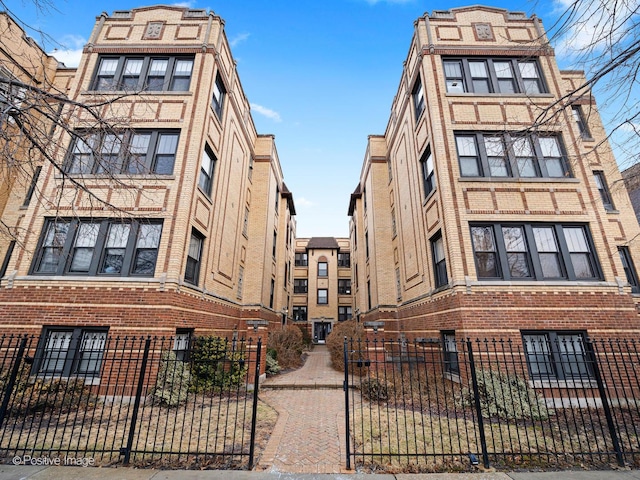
(309, 435)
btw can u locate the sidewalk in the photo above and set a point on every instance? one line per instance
(10, 472)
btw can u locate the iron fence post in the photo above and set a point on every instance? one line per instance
(605, 402)
(346, 402)
(476, 399)
(254, 411)
(12, 379)
(136, 404)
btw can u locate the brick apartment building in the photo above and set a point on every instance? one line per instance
(172, 216)
(467, 222)
(321, 284)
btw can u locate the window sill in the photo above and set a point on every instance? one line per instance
(551, 383)
(499, 95)
(138, 93)
(611, 211)
(542, 283)
(454, 377)
(137, 176)
(520, 179)
(88, 380)
(206, 195)
(428, 197)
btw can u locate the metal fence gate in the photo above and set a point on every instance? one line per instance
(446, 404)
(147, 401)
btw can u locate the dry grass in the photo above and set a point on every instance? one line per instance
(205, 432)
(400, 440)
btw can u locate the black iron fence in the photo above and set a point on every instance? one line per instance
(86, 398)
(545, 401)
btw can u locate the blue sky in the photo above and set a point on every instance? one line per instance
(320, 76)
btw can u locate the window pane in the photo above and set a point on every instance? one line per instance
(547, 252)
(91, 350)
(149, 236)
(108, 66)
(115, 248)
(580, 252)
(183, 68)
(147, 249)
(453, 69)
(85, 241)
(52, 246)
(496, 156)
(517, 255)
(484, 249)
(549, 147)
(538, 355)
(138, 153)
(55, 352)
(165, 153)
(110, 159)
(466, 146)
(572, 356)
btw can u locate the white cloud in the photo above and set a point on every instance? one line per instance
(239, 39)
(267, 112)
(303, 202)
(373, 2)
(184, 4)
(69, 50)
(590, 26)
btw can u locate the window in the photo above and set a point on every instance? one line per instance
(272, 293)
(344, 259)
(601, 183)
(219, 94)
(428, 176)
(493, 75)
(245, 222)
(450, 353)
(240, 282)
(629, 268)
(98, 247)
(194, 254)
(323, 269)
(366, 245)
(581, 121)
(139, 152)
(277, 200)
(300, 285)
(369, 294)
(143, 73)
(7, 258)
(344, 286)
(398, 286)
(557, 355)
(301, 260)
(323, 296)
(418, 98)
(11, 94)
(32, 187)
(70, 351)
(344, 313)
(182, 343)
(299, 314)
(510, 155)
(206, 171)
(275, 244)
(534, 251)
(439, 261)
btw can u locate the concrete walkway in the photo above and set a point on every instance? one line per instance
(309, 435)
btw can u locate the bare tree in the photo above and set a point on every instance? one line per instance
(40, 123)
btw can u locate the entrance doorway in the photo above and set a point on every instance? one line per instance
(320, 331)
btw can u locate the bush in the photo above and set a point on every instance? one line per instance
(307, 341)
(507, 397)
(215, 365)
(335, 342)
(173, 381)
(374, 390)
(288, 344)
(55, 395)
(273, 367)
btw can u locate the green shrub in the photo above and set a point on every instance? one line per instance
(273, 367)
(287, 343)
(507, 397)
(216, 365)
(335, 342)
(173, 381)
